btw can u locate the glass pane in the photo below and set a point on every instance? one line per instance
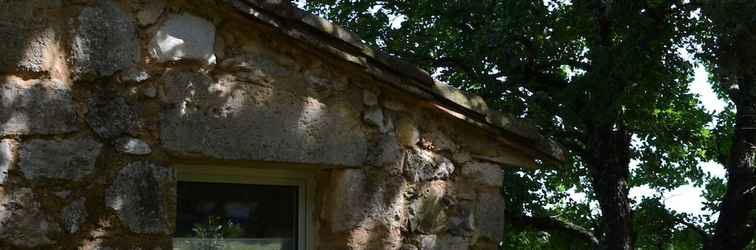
(214, 216)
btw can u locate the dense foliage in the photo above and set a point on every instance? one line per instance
(607, 79)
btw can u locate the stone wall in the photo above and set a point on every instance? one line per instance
(99, 100)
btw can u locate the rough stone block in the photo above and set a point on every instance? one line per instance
(24, 224)
(26, 34)
(251, 119)
(426, 242)
(427, 213)
(386, 152)
(369, 98)
(36, 107)
(490, 215)
(184, 37)
(74, 214)
(344, 208)
(393, 105)
(357, 200)
(62, 194)
(423, 165)
(374, 117)
(70, 159)
(139, 195)
(6, 158)
(104, 42)
(408, 133)
(132, 146)
(440, 142)
(483, 173)
(462, 218)
(134, 75)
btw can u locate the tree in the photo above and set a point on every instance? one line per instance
(730, 51)
(593, 74)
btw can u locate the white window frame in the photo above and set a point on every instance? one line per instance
(264, 174)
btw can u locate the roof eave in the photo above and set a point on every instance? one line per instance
(331, 38)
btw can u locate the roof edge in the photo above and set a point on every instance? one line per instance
(323, 34)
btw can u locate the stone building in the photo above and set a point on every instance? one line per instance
(167, 124)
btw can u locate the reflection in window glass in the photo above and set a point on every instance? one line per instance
(214, 216)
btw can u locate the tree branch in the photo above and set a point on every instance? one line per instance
(693, 227)
(553, 224)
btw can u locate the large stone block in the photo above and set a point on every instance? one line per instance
(346, 199)
(387, 152)
(490, 216)
(105, 41)
(140, 195)
(184, 37)
(259, 116)
(356, 200)
(22, 221)
(35, 107)
(6, 159)
(70, 159)
(462, 218)
(26, 34)
(484, 173)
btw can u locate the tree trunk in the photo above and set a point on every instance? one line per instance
(736, 71)
(735, 227)
(608, 164)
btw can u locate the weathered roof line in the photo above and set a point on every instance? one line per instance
(331, 38)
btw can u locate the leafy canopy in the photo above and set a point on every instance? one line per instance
(551, 62)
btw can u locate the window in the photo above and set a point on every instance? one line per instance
(233, 208)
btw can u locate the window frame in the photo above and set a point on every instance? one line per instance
(260, 174)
